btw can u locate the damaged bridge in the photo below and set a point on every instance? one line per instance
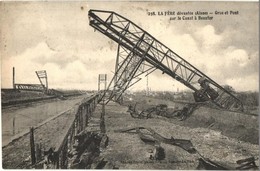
(139, 53)
(102, 131)
(42, 87)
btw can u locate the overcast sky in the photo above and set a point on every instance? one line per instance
(56, 36)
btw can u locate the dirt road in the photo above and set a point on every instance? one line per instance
(16, 120)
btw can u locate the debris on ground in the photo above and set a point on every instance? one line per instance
(149, 136)
(248, 163)
(86, 151)
(162, 110)
(245, 164)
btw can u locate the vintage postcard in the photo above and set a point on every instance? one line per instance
(164, 85)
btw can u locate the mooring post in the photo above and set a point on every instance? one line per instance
(32, 146)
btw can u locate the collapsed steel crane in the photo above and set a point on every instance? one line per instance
(140, 53)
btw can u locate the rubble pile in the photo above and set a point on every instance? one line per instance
(164, 111)
(149, 136)
(86, 151)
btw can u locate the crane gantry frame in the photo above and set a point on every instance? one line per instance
(139, 53)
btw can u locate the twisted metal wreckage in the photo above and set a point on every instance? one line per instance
(140, 53)
(42, 87)
(162, 110)
(149, 136)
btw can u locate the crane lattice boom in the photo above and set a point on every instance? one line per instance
(140, 53)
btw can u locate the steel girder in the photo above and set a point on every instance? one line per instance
(42, 76)
(29, 87)
(141, 46)
(43, 86)
(129, 68)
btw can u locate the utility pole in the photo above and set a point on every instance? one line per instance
(13, 77)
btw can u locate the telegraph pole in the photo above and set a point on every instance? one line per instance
(13, 77)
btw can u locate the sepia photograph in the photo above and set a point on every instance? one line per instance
(161, 85)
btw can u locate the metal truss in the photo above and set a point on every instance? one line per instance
(139, 48)
(42, 76)
(29, 87)
(102, 79)
(129, 68)
(43, 86)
